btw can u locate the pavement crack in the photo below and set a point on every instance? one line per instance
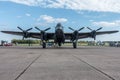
(26, 68)
(94, 67)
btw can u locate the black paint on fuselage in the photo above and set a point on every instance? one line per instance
(59, 34)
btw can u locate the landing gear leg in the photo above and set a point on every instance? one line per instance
(44, 44)
(74, 44)
(59, 44)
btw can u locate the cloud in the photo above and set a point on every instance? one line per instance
(44, 20)
(3, 25)
(107, 24)
(19, 16)
(40, 24)
(27, 14)
(50, 19)
(25, 2)
(89, 5)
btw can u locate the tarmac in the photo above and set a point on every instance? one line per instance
(64, 63)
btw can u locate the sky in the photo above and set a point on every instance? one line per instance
(70, 13)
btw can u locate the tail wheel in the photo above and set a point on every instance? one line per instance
(74, 44)
(44, 45)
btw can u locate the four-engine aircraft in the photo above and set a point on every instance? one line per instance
(59, 36)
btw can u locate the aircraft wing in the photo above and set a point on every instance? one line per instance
(32, 34)
(12, 32)
(51, 35)
(88, 34)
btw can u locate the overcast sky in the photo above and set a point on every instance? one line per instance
(71, 13)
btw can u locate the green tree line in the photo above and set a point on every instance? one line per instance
(18, 41)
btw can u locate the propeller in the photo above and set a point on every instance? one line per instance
(93, 32)
(42, 30)
(76, 30)
(47, 29)
(71, 29)
(99, 29)
(25, 32)
(43, 35)
(81, 28)
(75, 33)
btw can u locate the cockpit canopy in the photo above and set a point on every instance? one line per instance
(59, 26)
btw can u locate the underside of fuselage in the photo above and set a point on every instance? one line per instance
(59, 37)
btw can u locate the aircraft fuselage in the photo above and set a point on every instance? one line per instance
(59, 35)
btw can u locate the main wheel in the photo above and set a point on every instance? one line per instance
(74, 44)
(59, 44)
(44, 45)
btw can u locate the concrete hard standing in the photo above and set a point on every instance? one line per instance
(65, 63)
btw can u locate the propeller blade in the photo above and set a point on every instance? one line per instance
(20, 28)
(25, 32)
(71, 28)
(81, 28)
(38, 29)
(29, 29)
(47, 29)
(89, 28)
(99, 29)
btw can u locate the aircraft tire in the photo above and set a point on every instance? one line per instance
(44, 45)
(74, 45)
(59, 44)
